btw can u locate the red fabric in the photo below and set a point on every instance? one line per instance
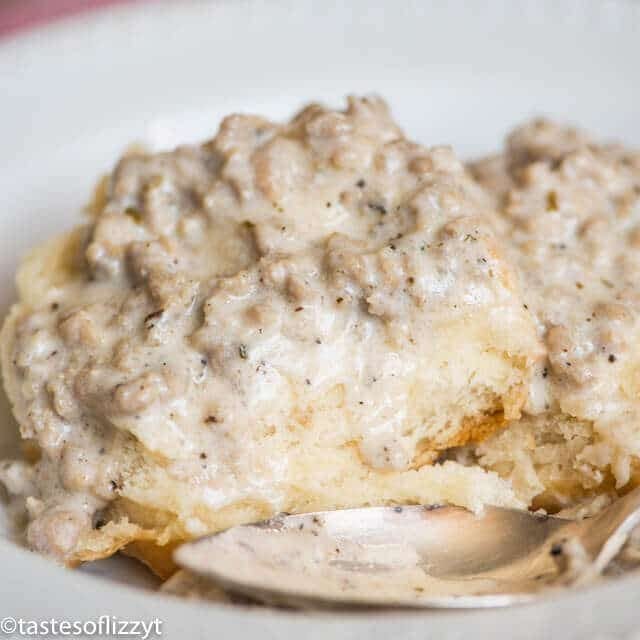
(16, 15)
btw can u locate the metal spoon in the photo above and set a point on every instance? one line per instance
(411, 556)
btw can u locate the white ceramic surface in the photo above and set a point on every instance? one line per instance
(74, 94)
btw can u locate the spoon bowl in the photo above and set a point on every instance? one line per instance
(410, 556)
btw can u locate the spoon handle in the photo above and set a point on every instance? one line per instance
(604, 535)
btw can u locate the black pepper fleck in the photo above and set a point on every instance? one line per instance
(379, 208)
(153, 315)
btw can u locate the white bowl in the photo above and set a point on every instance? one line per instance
(74, 94)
